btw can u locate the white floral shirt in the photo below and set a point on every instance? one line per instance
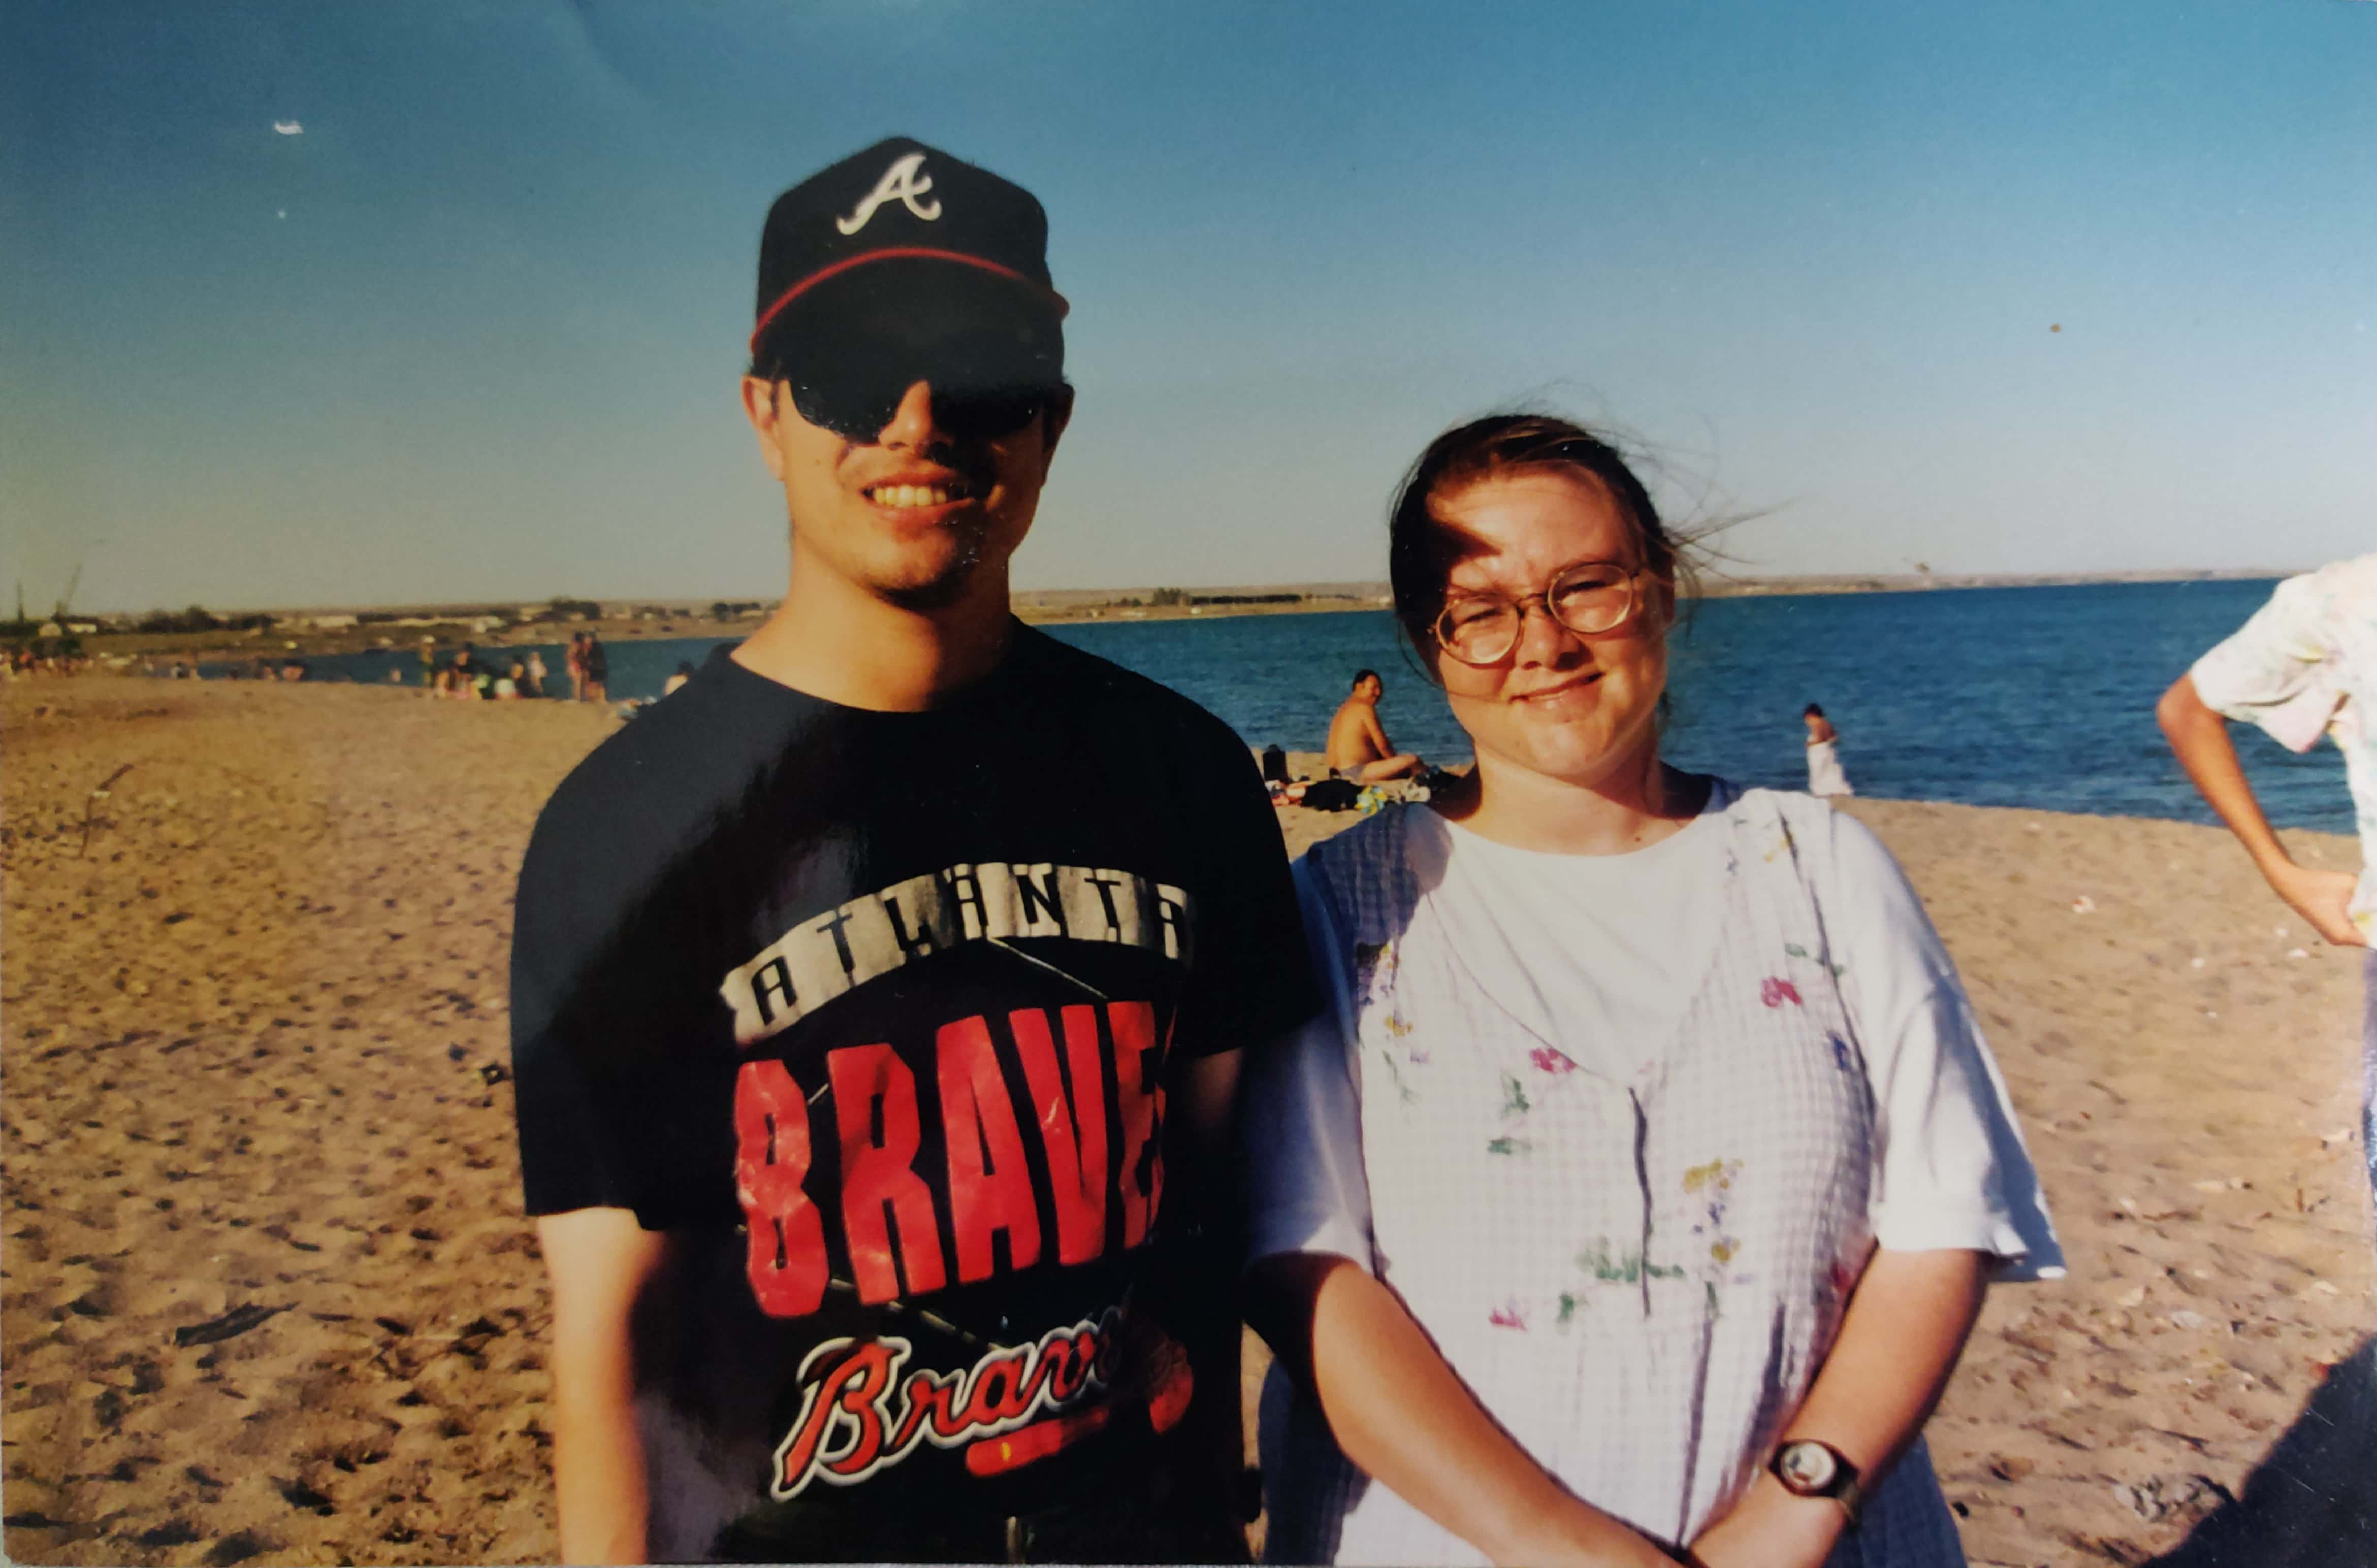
(1636, 1258)
(2306, 665)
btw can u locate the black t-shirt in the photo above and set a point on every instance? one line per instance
(872, 1009)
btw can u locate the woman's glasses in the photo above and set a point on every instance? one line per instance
(1589, 598)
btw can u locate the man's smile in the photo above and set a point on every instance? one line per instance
(903, 496)
(921, 486)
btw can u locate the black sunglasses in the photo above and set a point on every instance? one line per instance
(857, 405)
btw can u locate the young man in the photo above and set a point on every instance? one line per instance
(1358, 747)
(2305, 664)
(878, 998)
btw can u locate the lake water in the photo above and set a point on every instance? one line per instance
(2016, 696)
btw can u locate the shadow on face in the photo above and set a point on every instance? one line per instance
(1565, 705)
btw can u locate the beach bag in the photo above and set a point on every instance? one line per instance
(1332, 794)
(1275, 765)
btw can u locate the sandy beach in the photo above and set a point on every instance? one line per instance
(268, 1296)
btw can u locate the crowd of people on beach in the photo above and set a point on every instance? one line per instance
(469, 677)
(1609, 1153)
(26, 663)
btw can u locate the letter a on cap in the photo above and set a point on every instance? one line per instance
(900, 181)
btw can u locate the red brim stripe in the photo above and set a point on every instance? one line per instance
(898, 253)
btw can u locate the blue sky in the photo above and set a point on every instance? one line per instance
(1998, 287)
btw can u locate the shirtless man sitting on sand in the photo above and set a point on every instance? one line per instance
(1358, 747)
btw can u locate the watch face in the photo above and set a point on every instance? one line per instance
(1806, 1468)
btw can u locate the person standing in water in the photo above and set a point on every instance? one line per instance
(598, 671)
(1824, 773)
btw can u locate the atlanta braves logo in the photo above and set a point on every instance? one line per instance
(859, 1414)
(904, 182)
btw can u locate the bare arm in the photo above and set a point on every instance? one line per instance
(1904, 1330)
(2200, 737)
(1193, 1289)
(600, 1262)
(1376, 732)
(1403, 1415)
(1208, 1109)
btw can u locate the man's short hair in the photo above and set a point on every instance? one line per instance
(1362, 675)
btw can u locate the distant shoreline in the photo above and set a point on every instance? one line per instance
(1040, 605)
(315, 633)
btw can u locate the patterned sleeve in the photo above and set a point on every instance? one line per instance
(1953, 1169)
(2278, 670)
(1302, 1116)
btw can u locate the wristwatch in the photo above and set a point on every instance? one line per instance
(1809, 1468)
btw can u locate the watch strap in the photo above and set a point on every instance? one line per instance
(1851, 1495)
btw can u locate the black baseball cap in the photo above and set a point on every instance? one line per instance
(911, 243)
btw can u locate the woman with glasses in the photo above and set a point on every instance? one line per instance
(1634, 1199)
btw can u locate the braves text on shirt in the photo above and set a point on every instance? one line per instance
(871, 935)
(878, 1124)
(859, 1414)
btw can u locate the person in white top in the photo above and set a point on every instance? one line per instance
(1825, 773)
(1633, 1199)
(2305, 665)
